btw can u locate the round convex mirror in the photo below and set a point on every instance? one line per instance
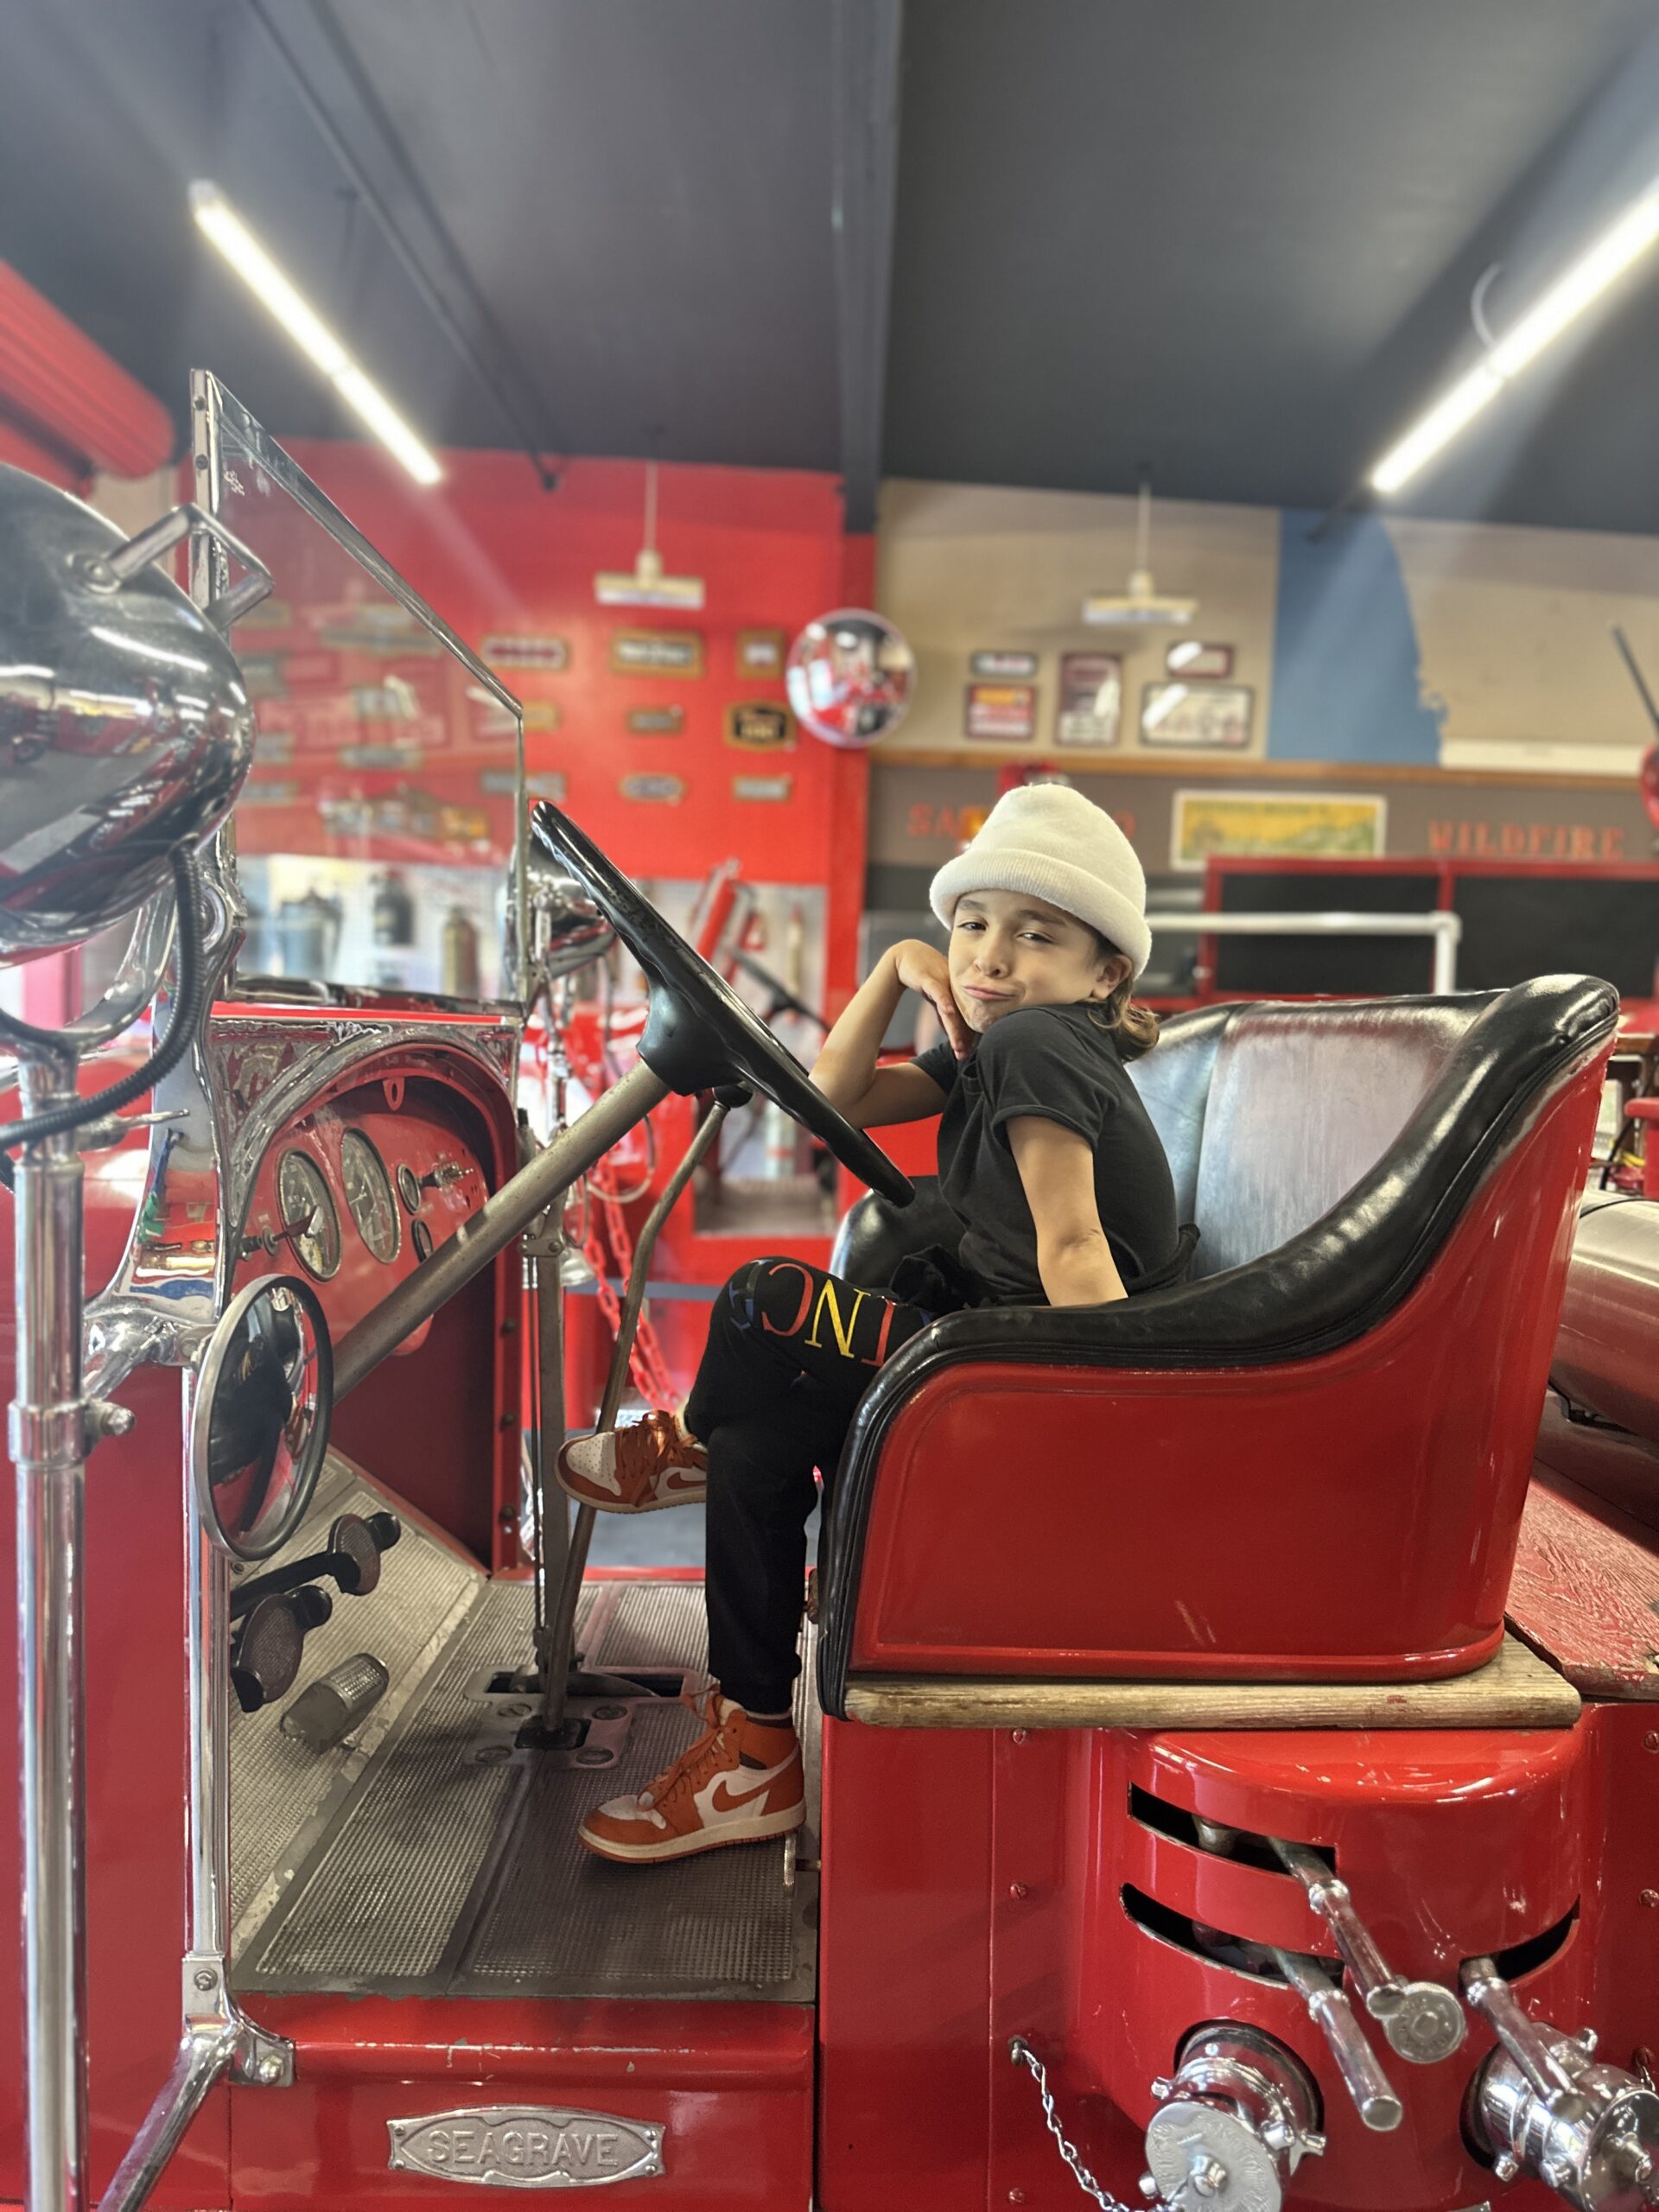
(264, 1396)
(849, 678)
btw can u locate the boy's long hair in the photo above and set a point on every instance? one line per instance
(1136, 1028)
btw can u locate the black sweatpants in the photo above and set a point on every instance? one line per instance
(791, 1351)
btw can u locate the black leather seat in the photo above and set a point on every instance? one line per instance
(1332, 1155)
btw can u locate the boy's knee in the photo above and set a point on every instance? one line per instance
(774, 1295)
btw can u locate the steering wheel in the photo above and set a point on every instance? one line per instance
(699, 1034)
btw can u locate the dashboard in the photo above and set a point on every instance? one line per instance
(355, 1195)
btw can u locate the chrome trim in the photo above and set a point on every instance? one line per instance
(48, 1444)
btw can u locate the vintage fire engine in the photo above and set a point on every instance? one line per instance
(1189, 1827)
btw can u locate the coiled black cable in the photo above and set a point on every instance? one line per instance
(75, 1113)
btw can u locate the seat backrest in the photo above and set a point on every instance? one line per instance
(1303, 1101)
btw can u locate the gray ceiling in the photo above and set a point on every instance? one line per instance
(1233, 243)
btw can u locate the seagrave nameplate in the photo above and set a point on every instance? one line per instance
(527, 2146)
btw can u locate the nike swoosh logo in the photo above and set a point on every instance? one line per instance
(722, 1799)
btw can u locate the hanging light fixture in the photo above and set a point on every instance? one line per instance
(218, 221)
(1140, 608)
(645, 584)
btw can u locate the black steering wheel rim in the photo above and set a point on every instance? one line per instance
(699, 1034)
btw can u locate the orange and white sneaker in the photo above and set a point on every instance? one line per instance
(641, 1469)
(738, 1781)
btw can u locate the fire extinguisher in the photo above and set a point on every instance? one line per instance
(458, 964)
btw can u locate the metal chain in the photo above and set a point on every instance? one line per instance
(1022, 2055)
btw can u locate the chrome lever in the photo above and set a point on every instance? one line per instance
(1422, 2020)
(1357, 2064)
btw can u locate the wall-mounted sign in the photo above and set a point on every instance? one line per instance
(272, 748)
(653, 790)
(761, 789)
(759, 652)
(761, 726)
(1091, 699)
(255, 793)
(656, 721)
(303, 671)
(543, 715)
(502, 783)
(1189, 658)
(365, 628)
(1269, 825)
(516, 651)
(394, 700)
(381, 756)
(1197, 718)
(657, 652)
(1008, 666)
(263, 674)
(268, 614)
(1001, 713)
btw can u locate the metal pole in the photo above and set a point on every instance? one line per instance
(494, 1226)
(48, 1447)
(562, 1627)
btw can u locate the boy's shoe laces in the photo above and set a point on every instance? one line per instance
(694, 1759)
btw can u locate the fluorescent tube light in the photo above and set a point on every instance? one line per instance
(218, 221)
(1565, 300)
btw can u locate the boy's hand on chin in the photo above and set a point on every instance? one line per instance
(921, 967)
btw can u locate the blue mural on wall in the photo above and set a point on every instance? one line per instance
(1346, 673)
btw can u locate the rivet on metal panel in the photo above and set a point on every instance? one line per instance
(1651, 1741)
(1649, 1897)
(1018, 1890)
(1019, 1736)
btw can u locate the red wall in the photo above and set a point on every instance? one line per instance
(492, 553)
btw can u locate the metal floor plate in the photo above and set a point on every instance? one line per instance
(453, 1867)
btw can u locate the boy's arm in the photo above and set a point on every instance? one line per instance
(845, 1070)
(1057, 1173)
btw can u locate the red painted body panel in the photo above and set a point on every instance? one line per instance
(732, 2083)
(1346, 1517)
(973, 1890)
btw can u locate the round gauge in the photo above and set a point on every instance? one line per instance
(308, 1216)
(420, 1237)
(368, 1193)
(408, 1188)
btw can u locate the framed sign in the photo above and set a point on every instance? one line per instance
(1197, 718)
(1001, 713)
(653, 790)
(760, 653)
(1090, 710)
(1275, 825)
(656, 721)
(657, 652)
(513, 650)
(1009, 666)
(502, 783)
(775, 789)
(1189, 658)
(761, 726)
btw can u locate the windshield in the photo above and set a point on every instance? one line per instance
(374, 837)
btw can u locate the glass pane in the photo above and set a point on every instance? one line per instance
(374, 836)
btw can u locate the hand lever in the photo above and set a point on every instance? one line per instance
(1362, 2075)
(1422, 2021)
(1520, 2035)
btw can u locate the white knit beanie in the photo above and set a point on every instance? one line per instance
(1049, 841)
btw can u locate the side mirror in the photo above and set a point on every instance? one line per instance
(264, 1392)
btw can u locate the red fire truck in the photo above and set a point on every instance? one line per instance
(1240, 1758)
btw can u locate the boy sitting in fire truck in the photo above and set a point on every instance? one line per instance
(1062, 1194)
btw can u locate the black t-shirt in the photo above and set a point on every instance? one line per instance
(1053, 1062)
